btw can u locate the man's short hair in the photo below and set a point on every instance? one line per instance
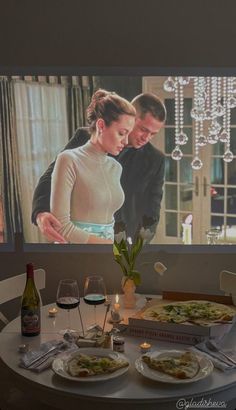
(150, 103)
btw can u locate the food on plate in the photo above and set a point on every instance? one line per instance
(195, 311)
(82, 365)
(182, 366)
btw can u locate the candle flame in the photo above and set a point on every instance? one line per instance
(117, 298)
(189, 219)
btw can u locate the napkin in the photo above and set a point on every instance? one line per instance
(41, 359)
(219, 361)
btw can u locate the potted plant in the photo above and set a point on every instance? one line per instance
(125, 254)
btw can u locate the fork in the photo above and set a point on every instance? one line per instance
(45, 355)
(211, 346)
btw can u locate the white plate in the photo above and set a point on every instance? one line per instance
(59, 364)
(206, 368)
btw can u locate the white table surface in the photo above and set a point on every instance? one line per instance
(131, 388)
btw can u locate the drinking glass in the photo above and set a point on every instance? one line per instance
(213, 235)
(68, 298)
(94, 292)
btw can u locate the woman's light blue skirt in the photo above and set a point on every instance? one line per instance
(105, 231)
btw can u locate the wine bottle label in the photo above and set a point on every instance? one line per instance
(30, 321)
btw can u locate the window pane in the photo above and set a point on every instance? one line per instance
(187, 148)
(233, 116)
(171, 196)
(170, 108)
(171, 224)
(217, 200)
(186, 197)
(217, 222)
(231, 201)
(170, 170)
(217, 171)
(170, 111)
(187, 110)
(231, 169)
(169, 140)
(186, 171)
(218, 149)
(233, 140)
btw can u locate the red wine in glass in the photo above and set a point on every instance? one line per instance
(68, 298)
(67, 302)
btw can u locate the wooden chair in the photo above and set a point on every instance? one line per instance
(13, 287)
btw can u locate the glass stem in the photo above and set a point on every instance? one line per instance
(69, 324)
(95, 315)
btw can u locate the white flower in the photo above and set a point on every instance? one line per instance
(119, 236)
(146, 234)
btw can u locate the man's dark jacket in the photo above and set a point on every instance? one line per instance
(142, 181)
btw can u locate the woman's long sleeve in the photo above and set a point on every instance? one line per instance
(63, 180)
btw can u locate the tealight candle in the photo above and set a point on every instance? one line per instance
(117, 305)
(145, 347)
(52, 312)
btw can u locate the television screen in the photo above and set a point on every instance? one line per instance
(169, 178)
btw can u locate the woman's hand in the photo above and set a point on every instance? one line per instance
(48, 225)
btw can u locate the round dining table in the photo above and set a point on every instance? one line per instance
(130, 391)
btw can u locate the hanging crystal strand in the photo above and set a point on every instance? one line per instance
(231, 98)
(201, 139)
(176, 153)
(196, 162)
(228, 155)
(182, 138)
(208, 95)
(219, 110)
(223, 137)
(214, 127)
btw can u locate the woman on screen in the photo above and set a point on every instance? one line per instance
(85, 186)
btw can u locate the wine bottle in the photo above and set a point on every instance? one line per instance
(30, 305)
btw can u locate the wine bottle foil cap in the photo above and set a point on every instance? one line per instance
(119, 340)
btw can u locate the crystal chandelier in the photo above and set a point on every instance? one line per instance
(213, 97)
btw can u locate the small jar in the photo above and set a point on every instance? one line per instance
(118, 344)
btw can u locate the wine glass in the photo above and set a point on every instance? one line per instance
(94, 292)
(68, 298)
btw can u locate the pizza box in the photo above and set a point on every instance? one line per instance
(188, 333)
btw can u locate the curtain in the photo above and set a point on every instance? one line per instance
(12, 220)
(79, 93)
(42, 131)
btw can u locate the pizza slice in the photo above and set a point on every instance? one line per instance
(82, 365)
(182, 366)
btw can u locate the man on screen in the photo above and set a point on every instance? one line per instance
(142, 176)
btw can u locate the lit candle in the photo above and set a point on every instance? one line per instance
(187, 234)
(145, 347)
(117, 305)
(52, 312)
(187, 230)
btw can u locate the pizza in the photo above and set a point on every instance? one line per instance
(82, 365)
(181, 366)
(200, 312)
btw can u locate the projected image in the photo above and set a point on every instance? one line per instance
(89, 159)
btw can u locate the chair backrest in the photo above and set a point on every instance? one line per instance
(13, 287)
